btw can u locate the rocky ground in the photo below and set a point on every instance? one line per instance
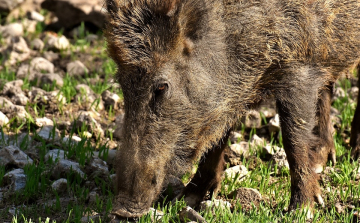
(60, 120)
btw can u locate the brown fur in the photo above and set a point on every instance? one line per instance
(190, 68)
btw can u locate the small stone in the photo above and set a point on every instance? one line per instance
(84, 119)
(247, 197)
(23, 71)
(59, 185)
(37, 44)
(280, 159)
(214, 205)
(13, 88)
(119, 123)
(339, 208)
(353, 92)
(12, 30)
(156, 215)
(256, 141)
(339, 93)
(47, 132)
(40, 122)
(33, 15)
(51, 56)
(29, 25)
(270, 149)
(252, 119)
(8, 5)
(65, 167)
(17, 51)
(16, 178)
(93, 196)
(188, 213)
(3, 119)
(240, 172)
(73, 139)
(20, 99)
(274, 124)
(12, 155)
(268, 112)
(55, 155)
(76, 68)
(62, 43)
(97, 168)
(235, 137)
(110, 99)
(52, 78)
(42, 65)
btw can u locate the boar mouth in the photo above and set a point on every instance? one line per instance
(128, 208)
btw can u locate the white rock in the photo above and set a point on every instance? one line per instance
(50, 78)
(29, 25)
(42, 65)
(214, 205)
(3, 119)
(239, 171)
(76, 68)
(33, 15)
(40, 122)
(65, 167)
(274, 124)
(12, 30)
(37, 44)
(62, 43)
(280, 159)
(256, 141)
(17, 51)
(235, 137)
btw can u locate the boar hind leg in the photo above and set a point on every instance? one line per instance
(355, 125)
(324, 130)
(297, 97)
(208, 176)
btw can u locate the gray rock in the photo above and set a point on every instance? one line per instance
(73, 139)
(268, 112)
(12, 30)
(84, 89)
(339, 208)
(23, 138)
(3, 119)
(91, 217)
(59, 185)
(8, 5)
(76, 68)
(270, 149)
(37, 44)
(339, 93)
(12, 155)
(65, 167)
(188, 213)
(16, 179)
(234, 153)
(84, 119)
(13, 110)
(239, 171)
(47, 132)
(39, 96)
(280, 159)
(50, 78)
(17, 51)
(93, 195)
(33, 15)
(55, 155)
(274, 124)
(110, 99)
(97, 168)
(40, 122)
(76, 12)
(42, 65)
(214, 205)
(252, 119)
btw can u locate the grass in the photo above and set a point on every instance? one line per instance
(39, 203)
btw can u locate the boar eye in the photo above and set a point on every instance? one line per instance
(161, 88)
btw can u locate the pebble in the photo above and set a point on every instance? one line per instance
(274, 124)
(59, 185)
(55, 155)
(42, 65)
(12, 30)
(64, 167)
(4, 120)
(37, 44)
(51, 78)
(12, 155)
(16, 178)
(76, 68)
(239, 171)
(33, 15)
(40, 122)
(188, 213)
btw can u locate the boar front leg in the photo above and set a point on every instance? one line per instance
(297, 93)
(208, 176)
(355, 125)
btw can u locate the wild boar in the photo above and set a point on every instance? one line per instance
(189, 69)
